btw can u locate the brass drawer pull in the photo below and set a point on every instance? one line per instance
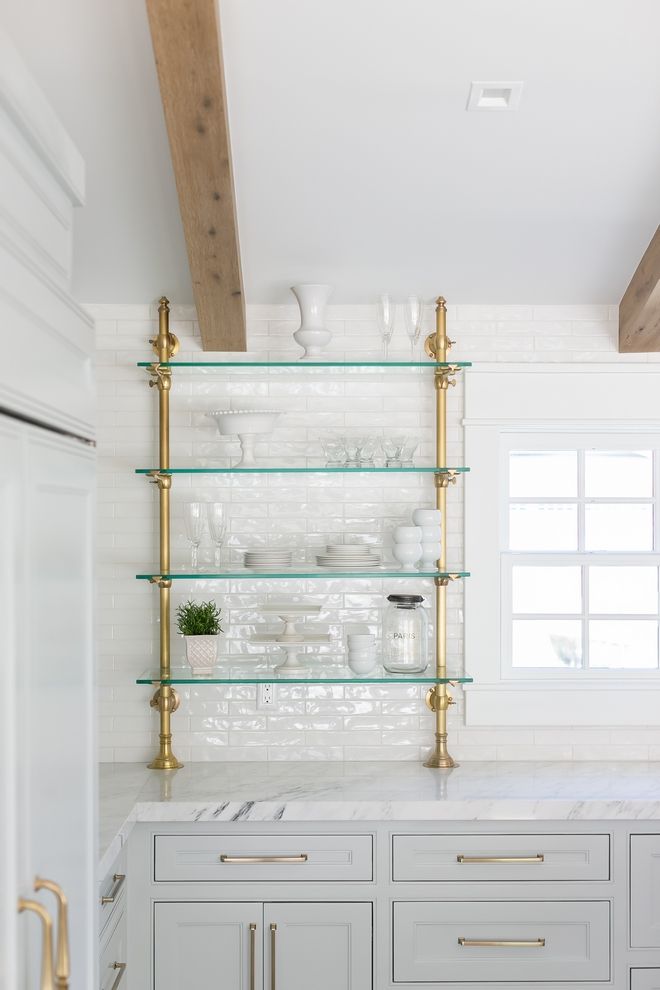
(253, 941)
(502, 943)
(539, 858)
(120, 975)
(118, 879)
(264, 859)
(47, 976)
(273, 971)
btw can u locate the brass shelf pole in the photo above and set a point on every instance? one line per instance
(165, 699)
(439, 699)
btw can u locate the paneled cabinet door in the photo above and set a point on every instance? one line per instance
(645, 979)
(324, 946)
(644, 887)
(199, 945)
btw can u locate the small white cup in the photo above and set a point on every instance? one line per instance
(360, 640)
(407, 554)
(362, 654)
(362, 666)
(407, 534)
(427, 517)
(431, 533)
(430, 553)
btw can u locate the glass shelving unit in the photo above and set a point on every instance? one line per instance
(262, 671)
(248, 671)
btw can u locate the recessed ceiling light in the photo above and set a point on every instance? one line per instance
(494, 96)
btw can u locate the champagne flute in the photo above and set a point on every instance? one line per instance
(193, 518)
(386, 309)
(217, 529)
(413, 314)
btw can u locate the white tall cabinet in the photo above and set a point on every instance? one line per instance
(47, 494)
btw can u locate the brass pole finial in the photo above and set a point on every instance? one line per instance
(163, 303)
(441, 302)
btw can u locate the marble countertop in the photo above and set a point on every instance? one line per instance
(373, 792)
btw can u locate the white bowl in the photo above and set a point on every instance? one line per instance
(430, 553)
(362, 654)
(431, 533)
(427, 517)
(362, 666)
(360, 640)
(246, 424)
(408, 534)
(407, 554)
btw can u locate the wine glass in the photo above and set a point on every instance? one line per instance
(217, 529)
(193, 518)
(385, 311)
(413, 313)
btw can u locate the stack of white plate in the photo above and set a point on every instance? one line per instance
(345, 556)
(268, 559)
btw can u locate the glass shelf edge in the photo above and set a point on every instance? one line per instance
(306, 470)
(272, 676)
(306, 364)
(328, 575)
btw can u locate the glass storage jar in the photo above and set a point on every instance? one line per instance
(405, 635)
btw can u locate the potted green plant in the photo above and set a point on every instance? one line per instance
(199, 624)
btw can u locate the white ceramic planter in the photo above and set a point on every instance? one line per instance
(312, 334)
(201, 653)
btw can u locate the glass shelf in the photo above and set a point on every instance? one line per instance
(302, 571)
(258, 672)
(315, 469)
(306, 364)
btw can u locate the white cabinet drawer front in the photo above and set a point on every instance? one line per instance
(231, 858)
(491, 941)
(645, 979)
(112, 890)
(112, 968)
(645, 891)
(501, 857)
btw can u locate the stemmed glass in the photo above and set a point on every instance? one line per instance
(386, 309)
(413, 313)
(217, 529)
(193, 518)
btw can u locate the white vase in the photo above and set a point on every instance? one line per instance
(312, 334)
(202, 653)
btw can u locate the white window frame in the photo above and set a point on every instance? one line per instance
(554, 407)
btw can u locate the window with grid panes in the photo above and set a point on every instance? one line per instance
(579, 564)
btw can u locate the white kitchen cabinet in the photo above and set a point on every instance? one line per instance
(645, 891)
(282, 946)
(645, 979)
(202, 945)
(327, 946)
(113, 966)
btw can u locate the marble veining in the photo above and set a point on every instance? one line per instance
(372, 792)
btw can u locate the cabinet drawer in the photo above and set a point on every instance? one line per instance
(112, 890)
(112, 966)
(645, 979)
(644, 888)
(463, 941)
(501, 857)
(232, 858)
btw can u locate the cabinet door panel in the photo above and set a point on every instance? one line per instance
(324, 946)
(645, 979)
(202, 945)
(645, 891)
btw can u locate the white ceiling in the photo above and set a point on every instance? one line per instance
(355, 160)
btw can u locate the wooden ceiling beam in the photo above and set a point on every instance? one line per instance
(188, 51)
(639, 310)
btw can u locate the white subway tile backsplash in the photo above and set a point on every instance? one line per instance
(322, 722)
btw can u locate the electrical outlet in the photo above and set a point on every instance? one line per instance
(265, 696)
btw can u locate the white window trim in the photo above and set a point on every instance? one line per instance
(553, 399)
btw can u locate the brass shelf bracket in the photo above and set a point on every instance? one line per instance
(443, 479)
(438, 702)
(165, 701)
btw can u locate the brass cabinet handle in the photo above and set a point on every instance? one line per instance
(302, 858)
(273, 971)
(118, 879)
(47, 980)
(539, 858)
(505, 943)
(120, 975)
(253, 942)
(62, 960)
